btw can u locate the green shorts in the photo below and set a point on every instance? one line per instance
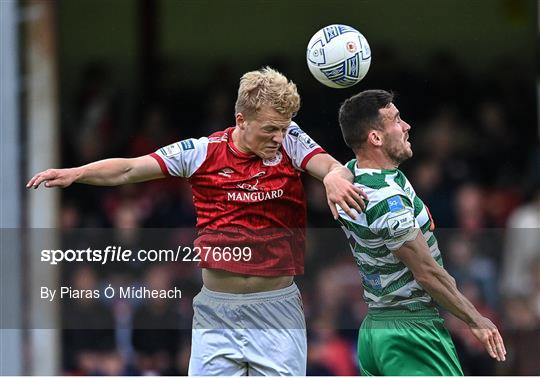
(403, 342)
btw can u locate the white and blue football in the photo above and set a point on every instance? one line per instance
(338, 56)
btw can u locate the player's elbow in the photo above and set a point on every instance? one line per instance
(127, 176)
(129, 173)
(432, 277)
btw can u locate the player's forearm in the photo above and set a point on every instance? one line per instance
(321, 165)
(442, 288)
(108, 172)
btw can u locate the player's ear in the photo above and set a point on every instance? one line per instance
(240, 121)
(375, 137)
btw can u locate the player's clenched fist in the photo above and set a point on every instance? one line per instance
(53, 178)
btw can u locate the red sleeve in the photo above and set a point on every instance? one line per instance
(161, 164)
(308, 157)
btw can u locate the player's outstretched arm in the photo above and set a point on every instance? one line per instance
(108, 172)
(442, 288)
(337, 180)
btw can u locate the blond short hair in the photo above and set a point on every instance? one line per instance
(267, 87)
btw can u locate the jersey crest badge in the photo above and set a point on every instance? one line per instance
(274, 161)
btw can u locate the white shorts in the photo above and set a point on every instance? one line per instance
(248, 334)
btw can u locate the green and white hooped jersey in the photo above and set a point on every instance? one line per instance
(393, 216)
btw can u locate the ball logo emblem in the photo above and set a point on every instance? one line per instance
(351, 47)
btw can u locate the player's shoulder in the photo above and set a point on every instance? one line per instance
(376, 179)
(183, 147)
(184, 157)
(294, 129)
(296, 136)
(383, 188)
(221, 136)
(294, 132)
(217, 142)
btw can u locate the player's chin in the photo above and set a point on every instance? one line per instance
(405, 155)
(269, 153)
(407, 150)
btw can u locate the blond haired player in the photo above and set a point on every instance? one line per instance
(247, 192)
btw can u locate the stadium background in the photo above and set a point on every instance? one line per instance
(84, 80)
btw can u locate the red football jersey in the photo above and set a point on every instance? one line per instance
(244, 201)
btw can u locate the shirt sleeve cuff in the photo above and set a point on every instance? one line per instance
(161, 163)
(308, 157)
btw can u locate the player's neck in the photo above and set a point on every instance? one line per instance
(237, 142)
(374, 160)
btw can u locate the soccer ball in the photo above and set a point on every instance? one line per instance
(338, 56)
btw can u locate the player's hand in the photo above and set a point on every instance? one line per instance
(53, 178)
(489, 336)
(340, 191)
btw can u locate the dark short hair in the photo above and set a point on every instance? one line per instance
(360, 113)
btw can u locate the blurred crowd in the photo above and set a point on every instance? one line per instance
(476, 165)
